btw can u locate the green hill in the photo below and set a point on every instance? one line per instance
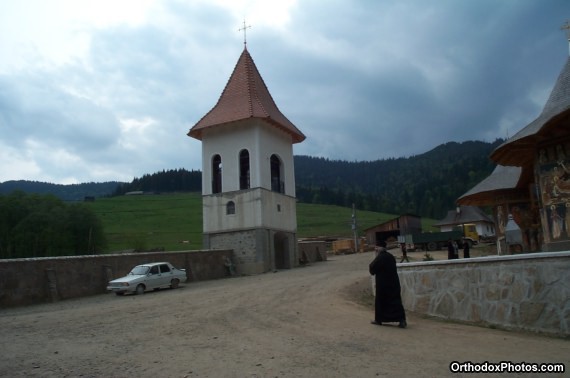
(174, 221)
(426, 184)
(71, 192)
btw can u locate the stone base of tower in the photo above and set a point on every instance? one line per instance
(257, 250)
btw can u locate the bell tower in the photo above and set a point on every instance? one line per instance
(248, 180)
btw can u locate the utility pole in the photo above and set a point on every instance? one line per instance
(89, 241)
(354, 230)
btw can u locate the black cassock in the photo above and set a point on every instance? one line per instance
(388, 302)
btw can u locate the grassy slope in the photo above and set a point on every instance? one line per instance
(164, 221)
(151, 221)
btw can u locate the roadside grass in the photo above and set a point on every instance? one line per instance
(173, 222)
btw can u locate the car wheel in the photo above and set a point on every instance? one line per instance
(432, 246)
(174, 283)
(119, 293)
(140, 289)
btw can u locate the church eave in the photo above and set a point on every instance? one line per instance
(495, 197)
(520, 150)
(297, 137)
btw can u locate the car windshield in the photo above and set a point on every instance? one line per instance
(139, 270)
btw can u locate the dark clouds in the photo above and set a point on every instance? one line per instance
(363, 80)
(416, 74)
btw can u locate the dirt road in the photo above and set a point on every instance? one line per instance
(297, 323)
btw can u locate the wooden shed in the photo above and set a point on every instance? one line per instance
(390, 230)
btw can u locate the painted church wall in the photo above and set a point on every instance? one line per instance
(553, 177)
(526, 219)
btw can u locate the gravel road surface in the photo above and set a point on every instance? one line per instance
(304, 322)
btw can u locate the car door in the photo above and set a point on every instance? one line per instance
(154, 278)
(166, 274)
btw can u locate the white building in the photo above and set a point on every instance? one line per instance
(464, 215)
(248, 181)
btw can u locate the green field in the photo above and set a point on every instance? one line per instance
(174, 221)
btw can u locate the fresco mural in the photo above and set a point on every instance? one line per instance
(527, 221)
(553, 173)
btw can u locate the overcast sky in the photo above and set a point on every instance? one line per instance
(102, 90)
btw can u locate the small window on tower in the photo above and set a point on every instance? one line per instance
(276, 184)
(216, 174)
(244, 169)
(230, 208)
(278, 208)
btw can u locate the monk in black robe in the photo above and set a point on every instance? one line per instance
(466, 253)
(388, 302)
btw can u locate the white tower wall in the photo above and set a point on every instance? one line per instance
(261, 141)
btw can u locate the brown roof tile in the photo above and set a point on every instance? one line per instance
(245, 96)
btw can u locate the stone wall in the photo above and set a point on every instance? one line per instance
(525, 292)
(37, 280)
(251, 249)
(257, 250)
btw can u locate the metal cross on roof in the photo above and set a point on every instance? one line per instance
(244, 28)
(566, 27)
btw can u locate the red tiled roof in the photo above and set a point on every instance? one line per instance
(245, 96)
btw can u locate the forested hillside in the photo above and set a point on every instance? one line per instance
(72, 192)
(426, 184)
(174, 180)
(33, 225)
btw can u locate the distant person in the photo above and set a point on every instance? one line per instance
(450, 250)
(466, 254)
(388, 306)
(230, 268)
(404, 253)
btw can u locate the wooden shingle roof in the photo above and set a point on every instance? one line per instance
(519, 149)
(245, 96)
(501, 181)
(468, 214)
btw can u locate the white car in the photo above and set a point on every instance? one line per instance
(152, 276)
